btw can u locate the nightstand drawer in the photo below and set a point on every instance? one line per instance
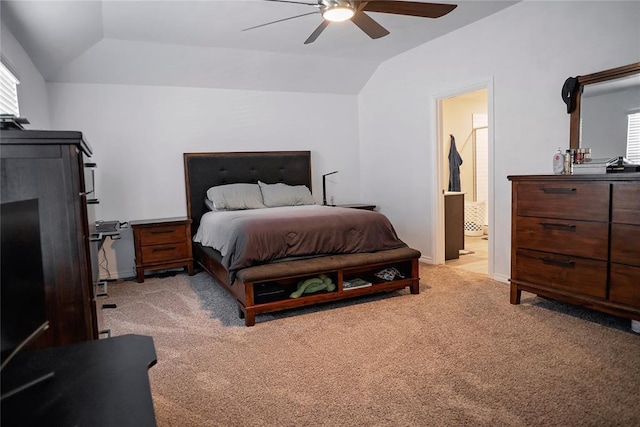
(165, 252)
(568, 200)
(162, 234)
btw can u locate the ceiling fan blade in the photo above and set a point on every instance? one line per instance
(424, 10)
(369, 26)
(279, 20)
(317, 32)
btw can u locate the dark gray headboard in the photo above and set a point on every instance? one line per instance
(205, 170)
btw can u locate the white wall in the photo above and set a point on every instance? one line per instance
(525, 52)
(139, 134)
(32, 91)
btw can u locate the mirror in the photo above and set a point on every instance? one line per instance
(602, 102)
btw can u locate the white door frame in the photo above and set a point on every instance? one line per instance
(437, 225)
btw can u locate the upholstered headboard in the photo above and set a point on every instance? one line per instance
(205, 170)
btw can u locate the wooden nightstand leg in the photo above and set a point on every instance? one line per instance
(140, 274)
(190, 269)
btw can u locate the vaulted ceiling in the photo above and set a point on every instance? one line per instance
(201, 43)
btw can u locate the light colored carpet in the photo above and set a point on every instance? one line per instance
(457, 354)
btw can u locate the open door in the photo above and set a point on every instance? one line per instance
(464, 131)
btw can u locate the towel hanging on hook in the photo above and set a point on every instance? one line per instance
(455, 160)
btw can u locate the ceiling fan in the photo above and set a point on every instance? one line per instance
(354, 10)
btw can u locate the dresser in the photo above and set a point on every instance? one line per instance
(577, 239)
(50, 166)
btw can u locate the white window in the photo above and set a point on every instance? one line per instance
(8, 92)
(633, 137)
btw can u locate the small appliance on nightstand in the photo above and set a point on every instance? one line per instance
(161, 244)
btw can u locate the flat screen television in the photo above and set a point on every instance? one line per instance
(22, 287)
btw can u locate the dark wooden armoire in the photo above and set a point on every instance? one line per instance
(50, 166)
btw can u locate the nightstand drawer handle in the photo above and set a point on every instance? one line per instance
(562, 226)
(550, 190)
(162, 231)
(163, 249)
(560, 262)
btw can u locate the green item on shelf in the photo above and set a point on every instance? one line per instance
(313, 284)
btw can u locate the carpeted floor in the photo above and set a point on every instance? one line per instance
(457, 354)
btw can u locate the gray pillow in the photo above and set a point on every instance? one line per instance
(285, 195)
(235, 197)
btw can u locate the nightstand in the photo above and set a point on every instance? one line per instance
(161, 244)
(358, 206)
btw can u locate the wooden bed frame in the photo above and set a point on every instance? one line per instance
(265, 288)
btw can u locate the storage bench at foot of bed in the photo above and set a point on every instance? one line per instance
(267, 288)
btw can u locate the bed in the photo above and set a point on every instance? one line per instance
(263, 282)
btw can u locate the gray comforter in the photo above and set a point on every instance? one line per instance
(258, 236)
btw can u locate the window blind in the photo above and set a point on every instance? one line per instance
(8, 92)
(633, 137)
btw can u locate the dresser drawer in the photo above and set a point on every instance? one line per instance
(625, 244)
(586, 239)
(165, 252)
(580, 275)
(625, 203)
(567, 200)
(625, 285)
(162, 234)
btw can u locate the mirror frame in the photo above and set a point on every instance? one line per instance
(602, 76)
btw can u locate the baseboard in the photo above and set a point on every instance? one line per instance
(500, 278)
(426, 260)
(119, 275)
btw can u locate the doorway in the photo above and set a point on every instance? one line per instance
(464, 135)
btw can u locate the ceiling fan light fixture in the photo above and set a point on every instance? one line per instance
(337, 10)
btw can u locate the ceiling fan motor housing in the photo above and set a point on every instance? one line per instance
(344, 8)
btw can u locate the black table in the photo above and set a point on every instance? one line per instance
(94, 383)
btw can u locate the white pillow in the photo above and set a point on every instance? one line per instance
(209, 204)
(285, 195)
(235, 196)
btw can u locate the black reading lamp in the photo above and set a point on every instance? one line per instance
(324, 187)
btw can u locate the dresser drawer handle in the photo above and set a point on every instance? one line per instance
(162, 231)
(550, 190)
(560, 262)
(163, 249)
(561, 226)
